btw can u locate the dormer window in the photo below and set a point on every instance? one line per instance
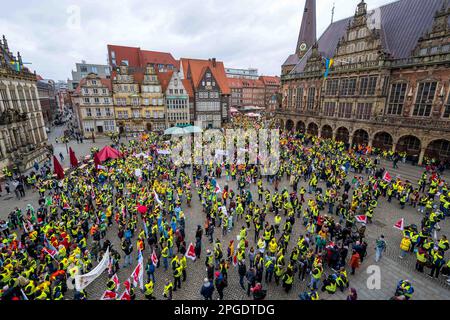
(423, 52)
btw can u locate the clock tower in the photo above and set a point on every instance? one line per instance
(307, 35)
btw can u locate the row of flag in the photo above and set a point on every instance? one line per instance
(137, 276)
(57, 167)
(400, 224)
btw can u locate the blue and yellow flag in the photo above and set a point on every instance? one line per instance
(328, 65)
(16, 65)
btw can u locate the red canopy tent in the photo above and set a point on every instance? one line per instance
(107, 153)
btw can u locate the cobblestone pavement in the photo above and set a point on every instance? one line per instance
(392, 268)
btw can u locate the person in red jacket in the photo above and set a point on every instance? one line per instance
(354, 261)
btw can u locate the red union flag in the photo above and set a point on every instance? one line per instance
(127, 285)
(115, 278)
(154, 258)
(400, 224)
(50, 252)
(190, 253)
(109, 295)
(125, 295)
(387, 177)
(138, 275)
(361, 219)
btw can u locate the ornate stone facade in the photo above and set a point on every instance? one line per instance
(383, 90)
(22, 134)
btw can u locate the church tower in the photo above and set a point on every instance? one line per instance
(307, 35)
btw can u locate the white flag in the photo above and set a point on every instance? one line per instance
(82, 281)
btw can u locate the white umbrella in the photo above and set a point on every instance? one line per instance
(174, 131)
(193, 129)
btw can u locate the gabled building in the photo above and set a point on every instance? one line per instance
(153, 106)
(138, 100)
(94, 109)
(176, 98)
(388, 87)
(210, 89)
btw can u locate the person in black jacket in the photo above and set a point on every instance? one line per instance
(127, 248)
(207, 289)
(242, 269)
(251, 280)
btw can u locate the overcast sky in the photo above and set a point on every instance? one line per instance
(54, 34)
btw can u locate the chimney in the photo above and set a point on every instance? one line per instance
(214, 62)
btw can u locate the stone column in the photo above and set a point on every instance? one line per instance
(12, 138)
(422, 155)
(2, 106)
(8, 94)
(19, 103)
(370, 142)
(2, 145)
(394, 146)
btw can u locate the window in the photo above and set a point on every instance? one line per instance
(290, 94)
(352, 35)
(108, 112)
(170, 91)
(208, 75)
(94, 69)
(98, 112)
(348, 87)
(86, 91)
(94, 82)
(83, 69)
(299, 98)
(135, 101)
(361, 46)
(423, 52)
(368, 86)
(329, 109)
(86, 100)
(364, 111)
(446, 48)
(345, 110)
(106, 100)
(148, 114)
(136, 114)
(88, 126)
(332, 87)
(104, 91)
(109, 125)
(125, 62)
(434, 50)
(362, 33)
(311, 98)
(88, 112)
(97, 100)
(424, 100)
(397, 99)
